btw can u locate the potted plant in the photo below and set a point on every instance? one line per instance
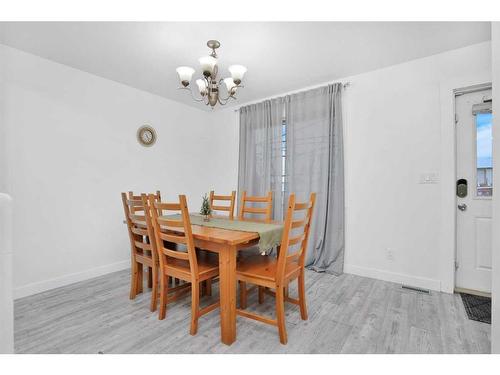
(205, 208)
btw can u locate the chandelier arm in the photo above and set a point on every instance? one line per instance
(191, 91)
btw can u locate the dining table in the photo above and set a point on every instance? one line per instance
(227, 242)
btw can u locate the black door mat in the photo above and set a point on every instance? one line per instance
(478, 308)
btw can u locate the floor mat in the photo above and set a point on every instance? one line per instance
(477, 307)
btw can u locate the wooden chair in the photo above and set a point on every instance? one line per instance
(142, 253)
(277, 273)
(266, 211)
(230, 198)
(189, 266)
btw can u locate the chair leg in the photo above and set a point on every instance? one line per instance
(261, 294)
(302, 296)
(243, 295)
(195, 306)
(280, 314)
(163, 296)
(154, 292)
(133, 279)
(150, 277)
(208, 287)
(140, 277)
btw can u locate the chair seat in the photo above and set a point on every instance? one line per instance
(263, 267)
(208, 265)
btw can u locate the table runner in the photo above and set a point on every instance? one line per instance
(269, 234)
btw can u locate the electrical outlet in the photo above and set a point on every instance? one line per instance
(389, 254)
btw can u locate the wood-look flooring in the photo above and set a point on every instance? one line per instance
(347, 314)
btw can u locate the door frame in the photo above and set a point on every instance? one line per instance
(447, 241)
(459, 92)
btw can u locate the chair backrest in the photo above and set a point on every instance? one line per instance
(295, 234)
(173, 228)
(136, 208)
(225, 198)
(265, 212)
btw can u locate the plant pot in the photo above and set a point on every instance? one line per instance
(206, 217)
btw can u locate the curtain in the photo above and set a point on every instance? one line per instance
(315, 163)
(260, 161)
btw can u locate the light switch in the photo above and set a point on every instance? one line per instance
(429, 178)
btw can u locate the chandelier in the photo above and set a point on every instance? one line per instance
(209, 85)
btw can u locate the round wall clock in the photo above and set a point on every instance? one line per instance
(146, 136)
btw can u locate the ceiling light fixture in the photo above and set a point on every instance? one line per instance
(208, 86)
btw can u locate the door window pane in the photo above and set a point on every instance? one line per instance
(484, 148)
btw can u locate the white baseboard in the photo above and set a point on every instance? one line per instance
(42, 286)
(399, 278)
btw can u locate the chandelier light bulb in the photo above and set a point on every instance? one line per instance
(202, 87)
(207, 65)
(230, 85)
(237, 73)
(185, 74)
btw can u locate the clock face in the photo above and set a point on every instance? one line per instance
(146, 135)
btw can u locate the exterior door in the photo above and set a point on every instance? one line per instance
(474, 190)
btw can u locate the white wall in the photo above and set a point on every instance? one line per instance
(71, 149)
(6, 303)
(495, 314)
(398, 125)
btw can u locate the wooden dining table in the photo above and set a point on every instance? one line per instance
(226, 243)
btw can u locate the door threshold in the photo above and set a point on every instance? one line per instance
(473, 292)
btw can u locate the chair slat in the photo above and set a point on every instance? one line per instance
(168, 206)
(173, 238)
(170, 222)
(302, 206)
(257, 199)
(140, 218)
(293, 256)
(299, 223)
(134, 202)
(175, 254)
(295, 240)
(139, 231)
(222, 197)
(221, 208)
(142, 245)
(255, 210)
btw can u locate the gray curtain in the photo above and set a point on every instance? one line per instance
(259, 155)
(315, 163)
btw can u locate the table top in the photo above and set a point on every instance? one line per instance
(223, 236)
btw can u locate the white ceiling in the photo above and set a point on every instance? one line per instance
(280, 56)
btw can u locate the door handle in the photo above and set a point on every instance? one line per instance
(462, 207)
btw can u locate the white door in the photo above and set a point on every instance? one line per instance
(474, 210)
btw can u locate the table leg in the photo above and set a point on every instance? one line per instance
(227, 275)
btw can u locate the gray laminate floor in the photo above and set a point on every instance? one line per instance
(347, 314)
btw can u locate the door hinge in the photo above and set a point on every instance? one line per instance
(456, 118)
(456, 265)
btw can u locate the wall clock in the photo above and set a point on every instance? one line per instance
(146, 136)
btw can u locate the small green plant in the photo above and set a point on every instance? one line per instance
(205, 207)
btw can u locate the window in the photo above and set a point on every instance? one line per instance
(484, 148)
(284, 180)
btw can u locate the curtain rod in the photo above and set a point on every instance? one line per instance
(344, 86)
